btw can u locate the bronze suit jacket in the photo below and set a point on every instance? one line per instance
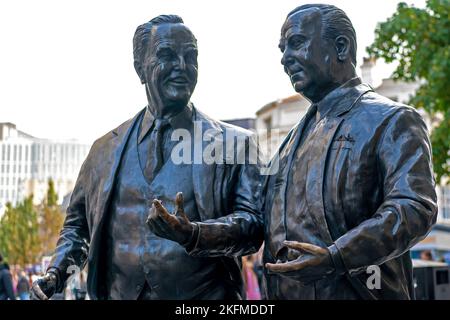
(370, 175)
(227, 195)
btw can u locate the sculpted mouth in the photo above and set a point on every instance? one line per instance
(178, 80)
(297, 75)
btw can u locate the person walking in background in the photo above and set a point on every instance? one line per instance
(250, 278)
(6, 287)
(23, 286)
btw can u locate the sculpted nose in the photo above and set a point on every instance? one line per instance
(181, 63)
(287, 59)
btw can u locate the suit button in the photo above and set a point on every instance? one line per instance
(138, 287)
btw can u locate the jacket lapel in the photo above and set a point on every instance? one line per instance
(277, 222)
(119, 143)
(319, 145)
(203, 174)
(116, 145)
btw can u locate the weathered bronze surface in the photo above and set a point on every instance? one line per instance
(118, 220)
(355, 186)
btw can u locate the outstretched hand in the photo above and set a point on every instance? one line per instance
(313, 264)
(176, 226)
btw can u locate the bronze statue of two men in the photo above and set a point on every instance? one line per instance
(354, 186)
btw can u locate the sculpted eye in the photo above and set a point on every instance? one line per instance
(165, 53)
(191, 56)
(296, 41)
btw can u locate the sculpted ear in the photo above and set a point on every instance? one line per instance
(342, 45)
(139, 71)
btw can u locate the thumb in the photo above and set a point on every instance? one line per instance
(179, 206)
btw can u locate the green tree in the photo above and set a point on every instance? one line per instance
(51, 220)
(52, 196)
(5, 232)
(418, 39)
(19, 233)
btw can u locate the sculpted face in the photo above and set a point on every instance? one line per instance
(307, 58)
(170, 64)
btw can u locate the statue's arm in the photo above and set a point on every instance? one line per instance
(409, 207)
(73, 243)
(239, 232)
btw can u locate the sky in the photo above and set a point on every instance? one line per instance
(66, 67)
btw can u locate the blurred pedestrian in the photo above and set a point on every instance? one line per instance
(81, 287)
(6, 286)
(23, 286)
(426, 255)
(250, 278)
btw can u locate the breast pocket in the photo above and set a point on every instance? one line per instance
(341, 144)
(339, 159)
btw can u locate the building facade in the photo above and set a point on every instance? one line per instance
(26, 164)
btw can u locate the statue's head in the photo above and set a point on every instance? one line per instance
(165, 59)
(318, 43)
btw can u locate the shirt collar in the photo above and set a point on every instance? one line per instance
(329, 101)
(181, 120)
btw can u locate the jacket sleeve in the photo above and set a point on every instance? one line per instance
(239, 232)
(408, 210)
(73, 243)
(7, 284)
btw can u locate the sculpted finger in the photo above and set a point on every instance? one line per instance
(179, 202)
(179, 207)
(38, 292)
(307, 247)
(152, 212)
(161, 210)
(285, 267)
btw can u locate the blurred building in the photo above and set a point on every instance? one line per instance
(27, 162)
(246, 123)
(275, 119)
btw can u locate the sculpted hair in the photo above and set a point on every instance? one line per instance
(142, 35)
(335, 22)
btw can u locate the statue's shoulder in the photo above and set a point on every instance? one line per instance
(107, 143)
(381, 107)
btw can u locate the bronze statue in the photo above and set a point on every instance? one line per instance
(355, 187)
(118, 217)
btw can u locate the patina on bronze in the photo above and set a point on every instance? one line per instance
(119, 221)
(355, 186)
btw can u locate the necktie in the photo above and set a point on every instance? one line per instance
(155, 158)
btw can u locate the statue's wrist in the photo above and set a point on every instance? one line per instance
(336, 260)
(55, 276)
(192, 238)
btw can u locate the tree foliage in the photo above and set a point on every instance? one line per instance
(51, 220)
(418, 39)
(19, 233)
(28, 232)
